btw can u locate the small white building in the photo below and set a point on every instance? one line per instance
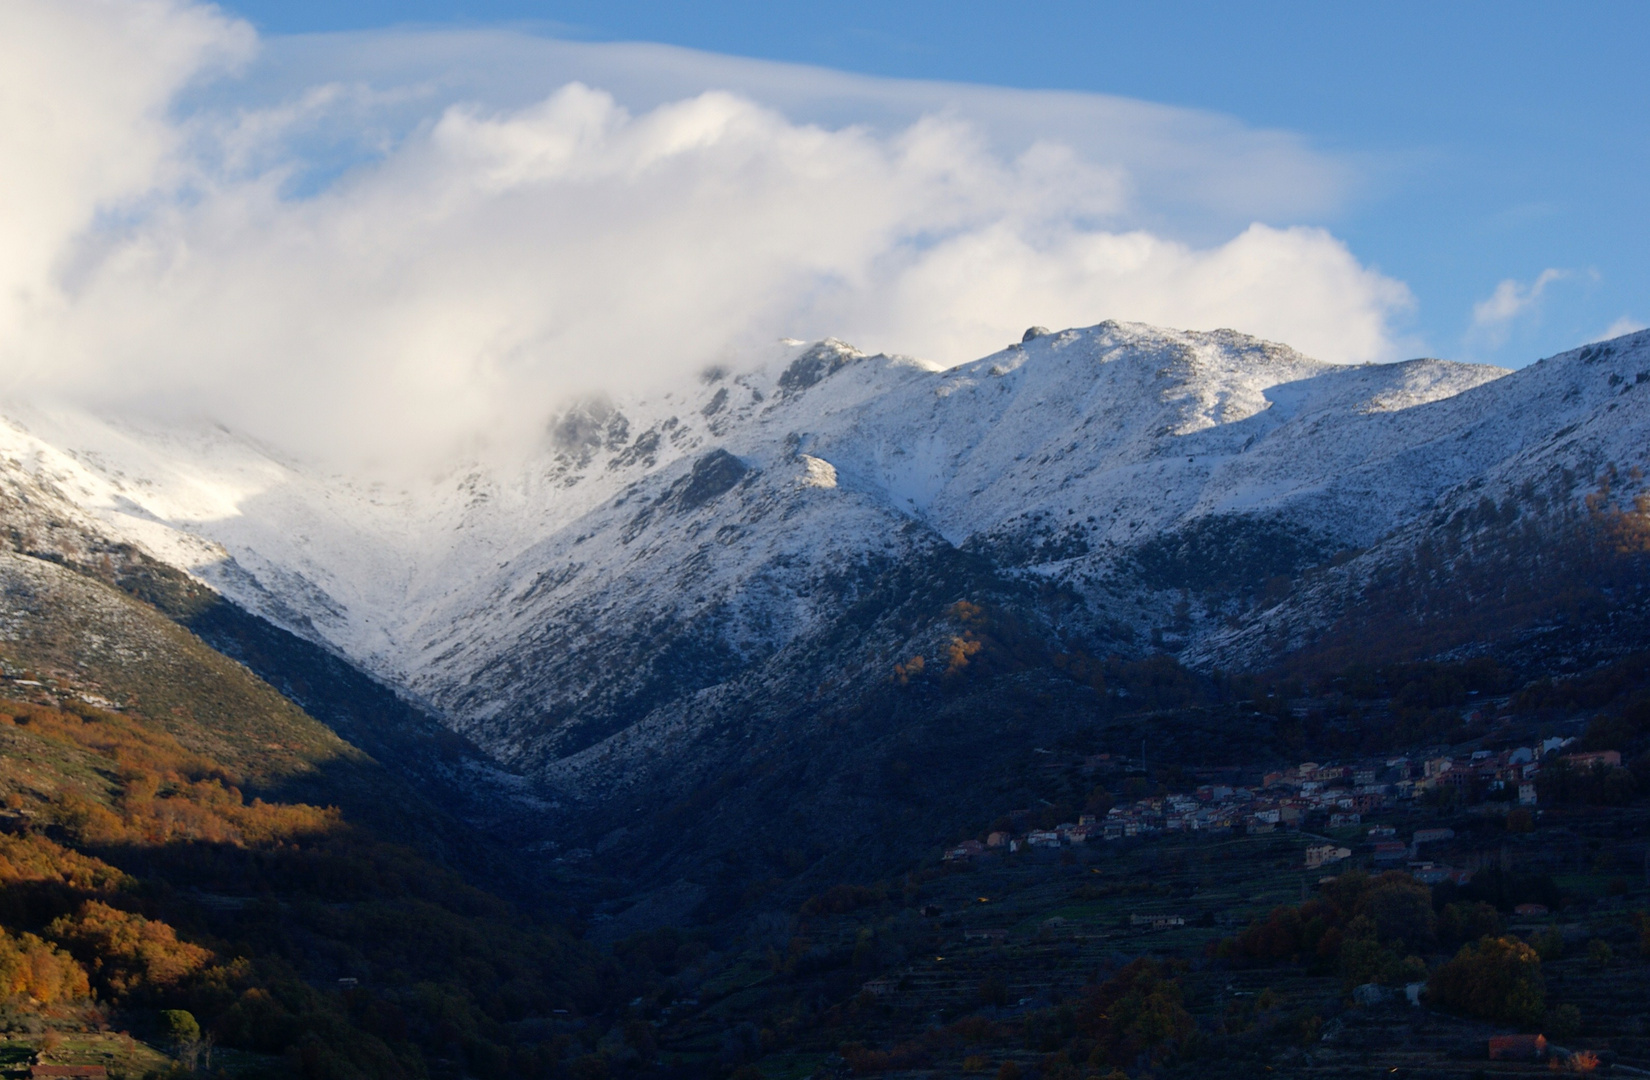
(1323, 854)
(1157, 922)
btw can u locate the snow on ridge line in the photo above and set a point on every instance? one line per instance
(1124, 429)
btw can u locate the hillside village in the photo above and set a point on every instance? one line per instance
(1334, 799)
(1254, 913)
(1222, 881)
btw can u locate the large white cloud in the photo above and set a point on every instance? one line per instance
(378, 251)
(85, 86)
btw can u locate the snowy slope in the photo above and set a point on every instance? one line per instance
(1541, 439)
(658, 547)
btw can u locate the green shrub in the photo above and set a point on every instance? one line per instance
(180, 1025)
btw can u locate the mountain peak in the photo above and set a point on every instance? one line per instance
(817, 363)
(663, 551)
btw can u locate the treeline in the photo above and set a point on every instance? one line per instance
(1489, 574)
(1358, 708)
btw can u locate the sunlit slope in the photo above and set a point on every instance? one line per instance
(174, 834)
(66, 630)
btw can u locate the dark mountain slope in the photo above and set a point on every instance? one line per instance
(1540, 580)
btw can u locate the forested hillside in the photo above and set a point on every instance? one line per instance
(178, 836)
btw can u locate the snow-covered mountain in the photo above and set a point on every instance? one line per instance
(666, 560)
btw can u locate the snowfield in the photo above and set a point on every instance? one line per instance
(658, 549)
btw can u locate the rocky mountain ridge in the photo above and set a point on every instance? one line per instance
(673, 576)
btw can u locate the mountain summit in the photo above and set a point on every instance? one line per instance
(673, 580)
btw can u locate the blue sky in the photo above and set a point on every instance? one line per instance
(451, 216)
(1492, 141)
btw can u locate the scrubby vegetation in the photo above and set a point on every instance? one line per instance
(156, 884)
(179, 840)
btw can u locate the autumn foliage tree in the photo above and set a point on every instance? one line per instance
(1496, 978)
(123, 806)
(128, 954)
(1136, 1012)
(1365, 927)
(32, 968)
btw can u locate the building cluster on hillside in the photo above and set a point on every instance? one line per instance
(1330, 796)
(1505, 770)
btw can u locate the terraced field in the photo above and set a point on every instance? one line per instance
(968, 962)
